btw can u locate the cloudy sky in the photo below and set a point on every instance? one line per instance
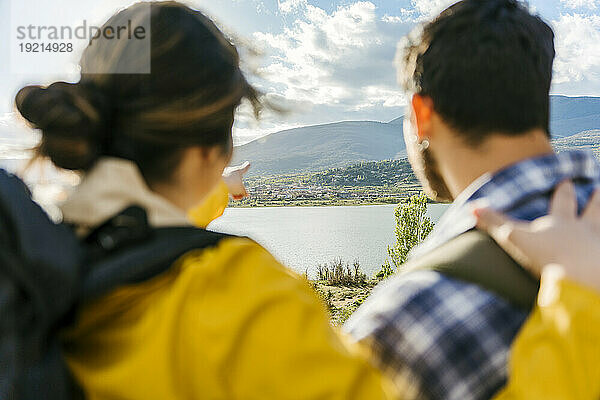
(325, 60)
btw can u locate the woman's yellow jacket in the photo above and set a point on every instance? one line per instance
(228, 322)
(223, 323)
(557, 353)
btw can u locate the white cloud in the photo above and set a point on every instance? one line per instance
(246, 135)
(405, 16)
(429, 8)
(426, 9)
(381, 96)
(392, 18)
(333, 64)
(577, 48)
(590, 4)
(15, 137)
(288, 6)
(247, 128)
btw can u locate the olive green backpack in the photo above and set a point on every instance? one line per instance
(474, 257)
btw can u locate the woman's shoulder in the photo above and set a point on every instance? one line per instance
(229, 249)
(236, 260)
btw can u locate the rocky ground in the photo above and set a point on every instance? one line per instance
(342, 301)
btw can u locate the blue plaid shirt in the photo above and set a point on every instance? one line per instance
(448, 339)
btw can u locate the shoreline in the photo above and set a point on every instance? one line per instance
(315, 205)
(323, 205)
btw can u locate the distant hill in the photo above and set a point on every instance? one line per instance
(397, 121)
(367, 173)
(319, 147)
(571, 115)
(588, 140)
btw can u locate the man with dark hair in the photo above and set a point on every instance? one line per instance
(478, 79)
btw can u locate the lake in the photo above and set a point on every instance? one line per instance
(300, 237)
(304, 237)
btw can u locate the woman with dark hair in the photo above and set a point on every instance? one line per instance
(225, 322)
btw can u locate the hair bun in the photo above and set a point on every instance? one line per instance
(73, 120)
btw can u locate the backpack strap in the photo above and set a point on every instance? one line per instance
(126, 250)
(474, 257)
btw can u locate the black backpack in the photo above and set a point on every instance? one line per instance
(46, 272)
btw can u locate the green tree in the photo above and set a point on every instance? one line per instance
(412, 227)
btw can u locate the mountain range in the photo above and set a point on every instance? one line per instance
(574, 123)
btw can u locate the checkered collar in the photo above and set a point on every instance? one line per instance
(521, 190)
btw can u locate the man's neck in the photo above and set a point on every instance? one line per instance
(499, 151)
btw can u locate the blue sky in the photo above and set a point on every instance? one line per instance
(328, 60)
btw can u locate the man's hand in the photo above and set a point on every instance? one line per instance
(559, 239)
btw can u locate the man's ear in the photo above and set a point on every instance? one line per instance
(422, 107)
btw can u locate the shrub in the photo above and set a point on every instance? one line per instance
(338, 273)
(412, 227)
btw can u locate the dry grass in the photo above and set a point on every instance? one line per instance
(338, 273)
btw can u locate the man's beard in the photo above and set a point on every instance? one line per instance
(428, 173)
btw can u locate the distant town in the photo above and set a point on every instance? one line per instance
(374, 182)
